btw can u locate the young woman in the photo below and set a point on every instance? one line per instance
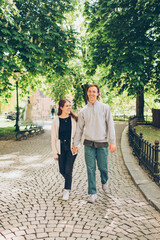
(62, 134)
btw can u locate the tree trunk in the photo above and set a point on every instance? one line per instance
(84, 89)
(156, 117)
(140, 106)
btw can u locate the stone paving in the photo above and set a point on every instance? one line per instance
(31, 206)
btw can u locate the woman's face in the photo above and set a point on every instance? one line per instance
(66, 109)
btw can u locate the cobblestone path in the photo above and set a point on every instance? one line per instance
(31, 205)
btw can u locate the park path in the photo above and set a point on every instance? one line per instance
(31, 205)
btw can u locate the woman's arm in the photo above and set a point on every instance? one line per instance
(54, 139)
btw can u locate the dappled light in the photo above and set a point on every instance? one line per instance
(52, 50)
(12, 174)
(31, 190)
(6, 163)
(21, 161)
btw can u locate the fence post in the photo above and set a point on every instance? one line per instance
(134, 140)
(156, 169)
(140, 148)
(129, 132)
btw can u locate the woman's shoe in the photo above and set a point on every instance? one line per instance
(65, 194)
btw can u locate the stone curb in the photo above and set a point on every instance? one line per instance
(148, 188)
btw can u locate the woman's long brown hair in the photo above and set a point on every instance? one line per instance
(61, 104)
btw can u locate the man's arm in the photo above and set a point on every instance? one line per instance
(111, 130)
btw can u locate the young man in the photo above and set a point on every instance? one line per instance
(96, 121)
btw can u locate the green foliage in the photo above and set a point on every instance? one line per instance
(78, 79)
(7, 133)
(123, 36)
(58, 87)
(8, 9)
(68, 85)
(33, 39)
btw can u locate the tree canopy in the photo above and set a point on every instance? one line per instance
(34, 38)
(123, 36)
(117, 46)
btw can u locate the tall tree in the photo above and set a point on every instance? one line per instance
(75, 81)
(123, 36)
(36, 39)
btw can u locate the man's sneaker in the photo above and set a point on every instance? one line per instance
(65, 194)
(105, 186)
(92, 198)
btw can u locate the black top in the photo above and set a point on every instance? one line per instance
(65, 128)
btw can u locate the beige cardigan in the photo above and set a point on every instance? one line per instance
(54, 135)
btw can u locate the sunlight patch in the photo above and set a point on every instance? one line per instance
(13, 174)
(8, 157)
(6, 163)
(28, 159)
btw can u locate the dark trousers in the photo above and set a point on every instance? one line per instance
(66, 161)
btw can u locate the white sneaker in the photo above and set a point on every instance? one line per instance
(105, 186)
(65, 194)
(92, 198)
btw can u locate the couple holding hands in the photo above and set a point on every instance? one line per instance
(96, 122)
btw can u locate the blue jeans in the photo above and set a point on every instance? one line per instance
(91, 155)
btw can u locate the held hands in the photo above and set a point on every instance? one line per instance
(112, 147)
(74, 149)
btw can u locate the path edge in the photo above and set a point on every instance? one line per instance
(148, 188)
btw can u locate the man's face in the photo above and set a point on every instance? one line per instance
(92, 94)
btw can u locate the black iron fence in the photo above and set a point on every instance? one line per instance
(147, 154)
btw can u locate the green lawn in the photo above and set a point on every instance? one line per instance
(7, 133)
(150, 133)
(7, 130)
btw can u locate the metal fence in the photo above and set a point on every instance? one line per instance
(147, 154)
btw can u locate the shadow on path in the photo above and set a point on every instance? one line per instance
(31, 206)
